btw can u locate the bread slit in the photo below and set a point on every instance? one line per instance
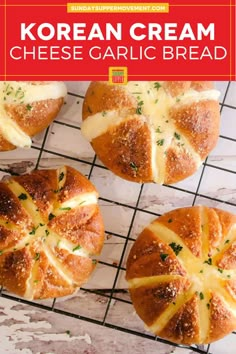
(11, 131)
(204, 318)
(229, 239)
(56, 240)
(186, 257)
(171, 310)
(58, 266)
(205, 233)
(30, 285)
(137, 282)
(27, 203)
(28, 92)
(9, 225)
(74, 203)
(99, 123)
(19, 92)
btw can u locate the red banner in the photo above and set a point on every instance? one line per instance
(135, 40)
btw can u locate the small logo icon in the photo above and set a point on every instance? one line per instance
(118, 75)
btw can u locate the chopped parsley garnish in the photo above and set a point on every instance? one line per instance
(158, 130)
(177, 99)
(227, 241)
(164, 256)
(208, 305)
(220, 270)
(1, 252)
(68, 332)
(22, 196)
(51, 216)
(66, 208)
(19, 93)
(104, 113)
(32, 232)
(36, 281)
(160, 142)
(61, 176)
(28, 107)
(169, 220)
(139, 108)
(37, 256)
(156, 100)
(228, 276)
(175, 247)
(157, 85)
(27, 244)
(201, 271)
(76, 248)
(58, 190)
(209, 261)
(177, 136)
(47, 232)
(201, 295)
(133, 166)
(94, 261)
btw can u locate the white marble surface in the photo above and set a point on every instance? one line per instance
(28, 329)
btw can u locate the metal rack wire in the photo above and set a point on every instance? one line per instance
(141, 202)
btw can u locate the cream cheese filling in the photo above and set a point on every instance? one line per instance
(155, 104)
(21, 92)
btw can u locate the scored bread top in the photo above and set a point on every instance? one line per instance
(181, 273)
(50, 231)
(26, 108)
(152, 131)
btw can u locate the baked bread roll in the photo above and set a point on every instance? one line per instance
(152, 131)
(27, 108)
(50, 231)
(181, 273)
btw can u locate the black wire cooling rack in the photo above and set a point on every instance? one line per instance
(214, 185)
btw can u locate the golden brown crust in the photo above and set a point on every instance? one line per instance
(41, 186)
(81, 227)
(186, 223)
(199, 122)
(46, 247)
(5, 145)
(176, 88)
(120, 148)
(40, 115)
(10, 208)
(74, 184)
(132, 140)
(179, 164)
(151, 301)
(196, 302)
(228, 259)
(103, 97)
(145, 261)
(30, 118)
(183, 327)
(15, 270)
(222, 320)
